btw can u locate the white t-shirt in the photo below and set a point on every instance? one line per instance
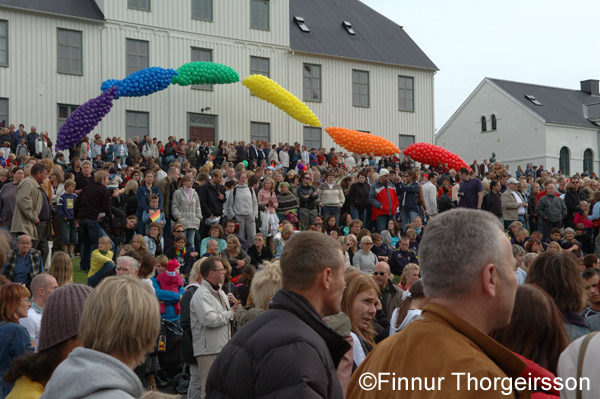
(32, 323)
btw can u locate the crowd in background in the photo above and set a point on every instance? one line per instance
(206, 228)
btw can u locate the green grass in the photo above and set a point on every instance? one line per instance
(79, 276)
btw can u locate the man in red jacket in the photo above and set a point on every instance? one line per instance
(384, 199)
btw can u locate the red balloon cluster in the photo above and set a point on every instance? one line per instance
(431, 154)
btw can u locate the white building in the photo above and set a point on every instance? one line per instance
(352, 66)
(522, 122)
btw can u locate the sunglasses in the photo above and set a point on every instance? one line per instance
(179, 231)
(378, 273)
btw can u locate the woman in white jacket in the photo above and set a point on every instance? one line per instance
(185, 209)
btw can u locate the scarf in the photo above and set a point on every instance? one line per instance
(188, 194)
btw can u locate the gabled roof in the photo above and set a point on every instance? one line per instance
(87, 9)
(377, 38)
(562, 106)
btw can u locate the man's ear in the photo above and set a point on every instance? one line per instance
(324, 278)
(489, 276)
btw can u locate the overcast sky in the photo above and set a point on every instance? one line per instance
(546, 42)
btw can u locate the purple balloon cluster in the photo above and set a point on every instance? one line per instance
(84, 119)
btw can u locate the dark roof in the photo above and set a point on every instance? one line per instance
(377, 38)
(562, 106)
(72, 8)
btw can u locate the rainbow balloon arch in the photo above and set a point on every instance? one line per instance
(148, 81)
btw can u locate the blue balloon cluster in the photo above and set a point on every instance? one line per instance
(141, 83)
(84, 119)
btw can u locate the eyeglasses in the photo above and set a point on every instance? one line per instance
(368, 243)
(26, 300)
(179, 231)
(378, 273)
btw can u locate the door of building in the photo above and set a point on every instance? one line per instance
(202, 127)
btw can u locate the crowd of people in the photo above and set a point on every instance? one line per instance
(346, 260)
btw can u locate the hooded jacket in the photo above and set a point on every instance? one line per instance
(87, 373)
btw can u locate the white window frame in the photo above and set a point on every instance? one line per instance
(311, 81)
(358, 97)
(137, 54)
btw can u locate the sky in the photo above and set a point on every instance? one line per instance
(549, 42)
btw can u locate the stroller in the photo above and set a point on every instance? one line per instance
(171, 369)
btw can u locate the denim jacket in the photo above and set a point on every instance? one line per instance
(15, 343)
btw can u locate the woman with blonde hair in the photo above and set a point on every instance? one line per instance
(359, 303)
(266, 282)
(139, 244)
(409, 275)
(61, 268)
(129, 199)
(235, 255)
(185, 209)
(119, 325)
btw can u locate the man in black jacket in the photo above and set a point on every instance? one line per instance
(288, 350)
(92, 203)
(212, 197)
(307, 197)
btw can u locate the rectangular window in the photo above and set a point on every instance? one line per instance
(70, 52)
(64, 111)
(202, 54)
(406, 93)
(260, 66)
(360, 88)
(142, 5)
(260, 131)
(3, 43)
(312, 137)
(259, 14)
(4, 112)
(138, 55)
(404, 141)
(202, 10)
(312, 82)
(137, 124)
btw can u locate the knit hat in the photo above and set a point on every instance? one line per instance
(60, 319)
(172, 265)
(384, 172)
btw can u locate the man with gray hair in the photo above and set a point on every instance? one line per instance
(467, 273)
(127, 266)
(551, 210)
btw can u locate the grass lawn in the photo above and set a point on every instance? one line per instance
(79, 276)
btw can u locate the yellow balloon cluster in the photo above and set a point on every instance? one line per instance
(268, 90)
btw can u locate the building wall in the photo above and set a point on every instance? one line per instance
(521, 136)
(577, 140)
(31, 82)
(518, 139)
(35, 92)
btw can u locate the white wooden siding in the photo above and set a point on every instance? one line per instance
(34, 88)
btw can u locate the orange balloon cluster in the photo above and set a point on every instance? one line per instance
(361, 143)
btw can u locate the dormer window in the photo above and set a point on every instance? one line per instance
(301, 24)
(348, 26)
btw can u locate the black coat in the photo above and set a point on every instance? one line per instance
(187, 348)
(209, 199)
(287, 351)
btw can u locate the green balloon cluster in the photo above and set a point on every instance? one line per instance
(201, 73)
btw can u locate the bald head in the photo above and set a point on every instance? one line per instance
(381, 274)
(42, 286)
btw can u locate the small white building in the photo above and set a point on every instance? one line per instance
(522, 122)
(351, 65)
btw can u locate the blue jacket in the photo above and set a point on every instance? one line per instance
(15, 343)
(107, 153)
(65, 207)
(409, 195)
(169, 298)
(400, 258)
(117, 150)
(142, 199)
